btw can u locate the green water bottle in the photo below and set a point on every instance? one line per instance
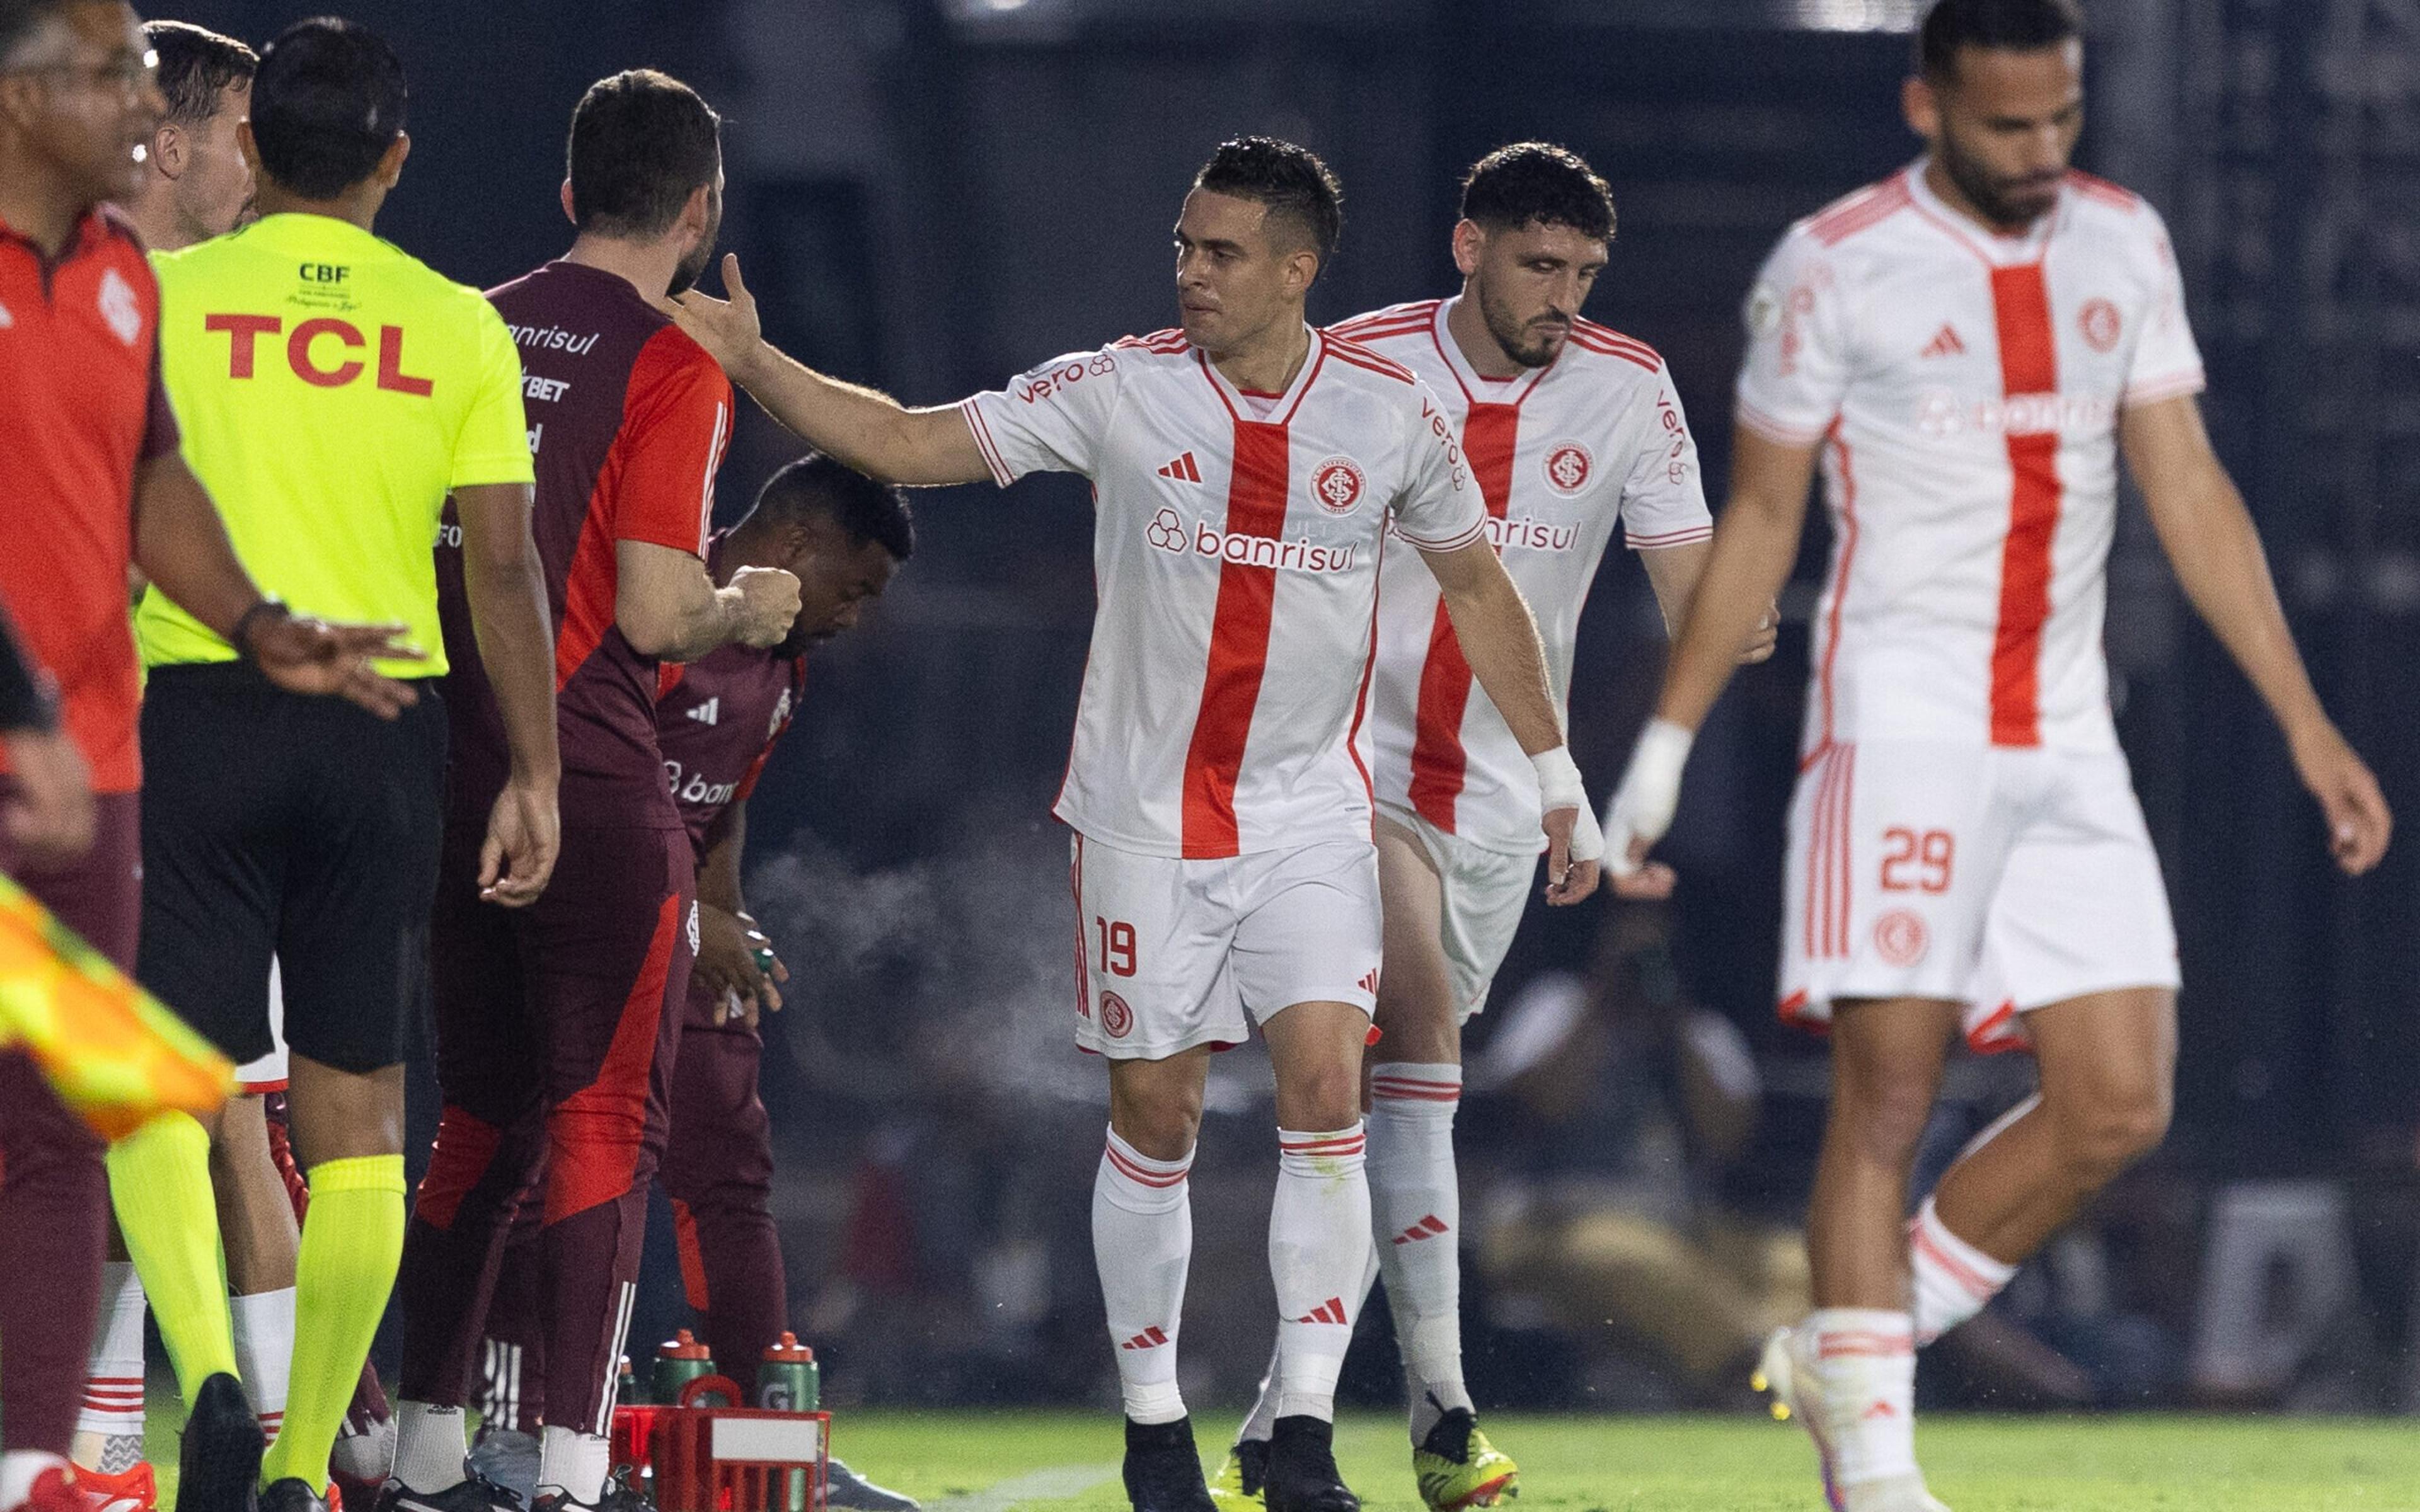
(788, 1380)
(679, 1360)
(627, 1385)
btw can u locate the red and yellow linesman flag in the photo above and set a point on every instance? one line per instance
(113, 1052)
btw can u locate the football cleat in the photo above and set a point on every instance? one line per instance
(56, 1490)
(475, 1494)
(1240, 1478)
(1163, 1468)
(292, 1494)
(507, 1458)
(849, 1491)
(618, 1496)
(1456, 1466)
(1787, 1371)
(218, 1466)
(135, 1488)
(1302, 1474)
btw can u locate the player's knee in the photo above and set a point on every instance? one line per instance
(2102, 1137)
(1885, 1119)
(1326, 1095)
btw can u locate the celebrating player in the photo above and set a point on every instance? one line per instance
(1569, 427)
(1248, 470)
(1969, 345)
(555, 1027)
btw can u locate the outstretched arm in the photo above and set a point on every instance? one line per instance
(1755, 540)
(2209, 538)
(1499, 639)
(870, 431)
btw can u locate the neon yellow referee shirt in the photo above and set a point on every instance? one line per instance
(333, 390)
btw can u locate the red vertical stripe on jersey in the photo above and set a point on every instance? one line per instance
(1239, 645)
(1439, 764)
(2028, 365)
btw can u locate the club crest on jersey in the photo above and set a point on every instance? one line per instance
(1117, 1020)
(2102, 324)
(1567, 467)
(119, 309)
(1337, 485)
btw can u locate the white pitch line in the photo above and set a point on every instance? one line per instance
(1055, 1484)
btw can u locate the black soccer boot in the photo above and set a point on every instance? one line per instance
(292, 1494)
(1163, 1468)
(1302, 1474)
(475, 1494)
(218, 1466)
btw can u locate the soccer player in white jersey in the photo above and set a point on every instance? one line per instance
(1247, 472)
(1968, 346)
(1569, 428)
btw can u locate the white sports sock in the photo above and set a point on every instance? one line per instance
(1416, 1221)
(1260, 1423)
(112, 1382)
(19, 1470)
(1143, 1244)
(1866, 1360)
(1954, 1280)
(264, 1352)
(431, 1444)
(572, 1461)
(1319, 1247)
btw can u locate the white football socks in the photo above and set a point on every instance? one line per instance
(1416, 1220)
(1319, 1249)
(112, 1382)
(1954, 1280)
(1143, 1244)
(573, 1463)
(431, 1445)
(1866, 1360)
(264, 1352)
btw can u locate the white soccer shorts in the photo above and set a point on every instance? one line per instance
(1171, 953)
(1487, 893)
(2002, 879)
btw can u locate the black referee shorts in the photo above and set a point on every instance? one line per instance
(307, 828)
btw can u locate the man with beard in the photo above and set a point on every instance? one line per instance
(198, 185)
(555, 1028)
(1570, 427)
(1969, 345)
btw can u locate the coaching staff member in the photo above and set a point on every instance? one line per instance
(94, 484)
(333, 392)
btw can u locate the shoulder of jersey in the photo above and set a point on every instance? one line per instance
(1853, 215)
(1396, 322)
(1165, 345)
(1354, 355)
(2103, 194)
(1603, 341)
(678, 350)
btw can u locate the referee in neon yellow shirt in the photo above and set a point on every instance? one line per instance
(333, 391)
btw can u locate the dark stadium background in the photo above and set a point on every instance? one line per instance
(931, 194)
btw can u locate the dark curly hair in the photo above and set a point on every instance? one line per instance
(1538, 183)
(1289, 181)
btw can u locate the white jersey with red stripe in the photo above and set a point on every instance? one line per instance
(1560, 453)
(1235, 556)
(1967, 389)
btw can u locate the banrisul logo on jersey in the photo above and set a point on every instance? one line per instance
(1337, 485)
(1169, 532)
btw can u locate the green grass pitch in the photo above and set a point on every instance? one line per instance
(1067, 1462)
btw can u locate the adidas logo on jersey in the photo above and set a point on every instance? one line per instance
(1944, 344)
(710, 712)
(1183, 469)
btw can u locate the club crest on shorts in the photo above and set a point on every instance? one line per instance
(2102, 324)
(1901, 937)
(1567, 467)
(1117, 1020)
(1337, 485)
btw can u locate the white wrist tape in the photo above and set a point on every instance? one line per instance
(1560, 787)
(1643, 806)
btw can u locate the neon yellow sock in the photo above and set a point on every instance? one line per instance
(159, 1182)
(351, 1241)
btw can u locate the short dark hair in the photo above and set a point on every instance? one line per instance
(641, 142)
(17, 19)
(1289, 181)
(328, 99)
(196, 66)
(816, 485)
(2021, 25)
(1538, 183)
